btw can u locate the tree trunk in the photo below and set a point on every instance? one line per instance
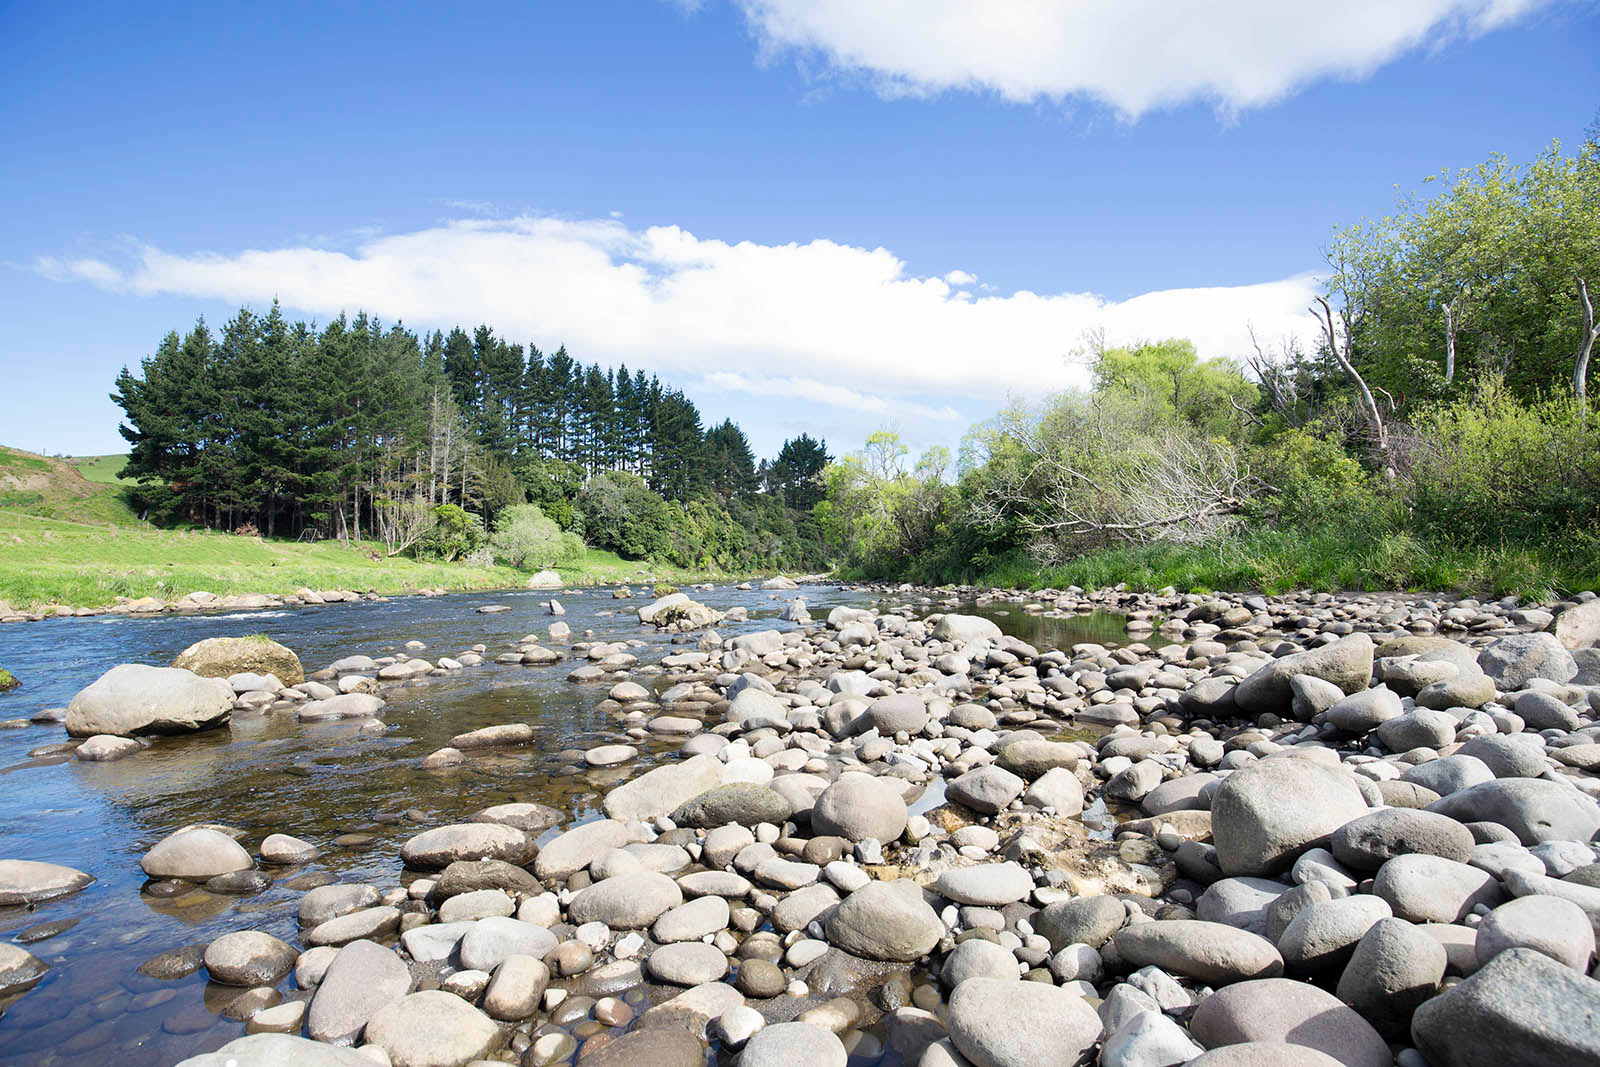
(1369, 406)
(1580, 369)
(1449, 344)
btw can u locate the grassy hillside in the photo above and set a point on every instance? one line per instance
(102, 470)
(67, 536)
(59, 489)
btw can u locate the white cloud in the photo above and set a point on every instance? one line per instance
(1133, 55)
(834, 396)
(825, 324)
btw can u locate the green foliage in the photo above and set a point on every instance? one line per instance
(1501, 245)
(621, 514)
(1172, 385)
(1490, 470)
(8, 681)
(526, 539)
(1313, 482)
(456, 534)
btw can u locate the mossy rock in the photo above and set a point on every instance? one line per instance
(662, 589)
(219, 657)
(8, 681)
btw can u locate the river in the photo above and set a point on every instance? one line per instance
(272, 774)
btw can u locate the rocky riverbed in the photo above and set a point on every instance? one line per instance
(1294, 830)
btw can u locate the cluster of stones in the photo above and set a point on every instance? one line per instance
(196, 602)
(1309, 830)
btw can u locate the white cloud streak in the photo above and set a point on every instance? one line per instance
(822, 323)
(1133, 55)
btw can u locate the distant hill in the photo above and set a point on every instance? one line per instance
(81, 489)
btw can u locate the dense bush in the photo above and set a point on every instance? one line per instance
(526, 539)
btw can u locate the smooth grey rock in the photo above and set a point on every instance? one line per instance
(1089, 921)
(1508, 755)
(999, 1023)
(362, 978)
(793, 1044)
(436, 849)
(1368, 842)
(1428, 889)
(432, 1029)
(34, 882)
(1364, 710)
(1325, 933)
(1522, 1007)
(1448, 775)
(860, 806)
(1149, 1039)
(276, 1050)
(990, 885)
(195, 853)
(1240, 902)
(574, 850)
(1532, 808)
(986, 790)
(137, 699)
(1266, 814)
(660, 791)
(20, 969)
(1515, 660)
(977, 958)
(249, 958)
(1210, 952)
(687, 963)
(1557, 927)
(1346, 663)
(487, 942)
(1395, 967)
(885, 921)
(1277, 1009)
(626, 902)
(741, 803)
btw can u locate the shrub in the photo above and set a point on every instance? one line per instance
(526, 539)
(455, 534)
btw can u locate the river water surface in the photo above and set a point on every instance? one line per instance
(357, 797)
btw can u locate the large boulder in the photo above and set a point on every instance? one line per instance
(1347, 663)
(885, 921)
(32, 882)
(195, 853)
(219, 657)
(1521, 1007)
(1534, 809)
(432, 1029)
(1578, 627)
(1395, 967)
(961, 629)
(677, 608)
(1515, 660)
(363, 978)
(658, 792)
(1295, 1013)
(745, 803)
(275, 1050)
(1265, 815)
(997, 1022)
(860, 806)
(545, 579)
(626, 902)
(135, 699)
(1210, 952)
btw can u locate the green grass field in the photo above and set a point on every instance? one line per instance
(102, 470)
(68, 536)
(49, 561)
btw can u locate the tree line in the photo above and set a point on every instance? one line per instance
(1437, 435)
(360, 431)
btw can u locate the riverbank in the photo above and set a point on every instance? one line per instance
(1361, 825)
(1277, 561)
(51, 566)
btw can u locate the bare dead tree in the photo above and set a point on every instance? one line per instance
(1580, 369)
(1369, 406)
(1283, 392)
(1449, 341)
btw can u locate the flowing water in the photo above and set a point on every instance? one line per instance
(357, 797)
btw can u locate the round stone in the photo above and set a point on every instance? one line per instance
(249, 958)
(432, 1029)
(860, 806)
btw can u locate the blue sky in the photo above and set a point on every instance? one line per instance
(811, 214)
